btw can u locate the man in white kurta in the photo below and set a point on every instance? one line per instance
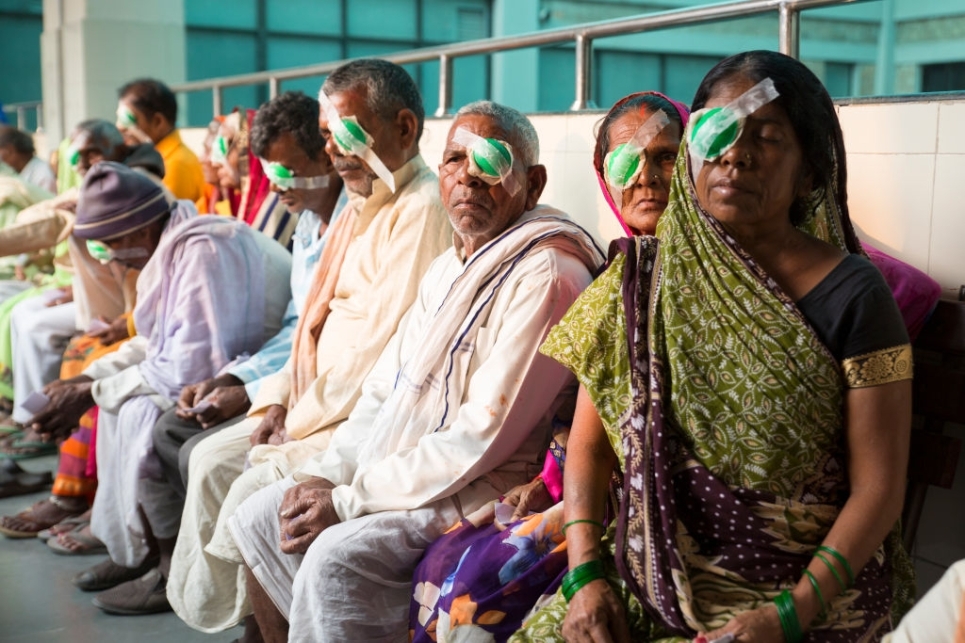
(376, 253)
(457, 411)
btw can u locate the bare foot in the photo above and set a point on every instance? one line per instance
(40, 516)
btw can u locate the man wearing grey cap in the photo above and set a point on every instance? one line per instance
(210, 289)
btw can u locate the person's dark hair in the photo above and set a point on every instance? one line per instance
(103, 133)
(809, 108)
(18, 140)
(651, 102)
(289, 112)
(390, 88)
(151, 97)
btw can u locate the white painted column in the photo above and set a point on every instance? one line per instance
(89, 48)
(515, 74)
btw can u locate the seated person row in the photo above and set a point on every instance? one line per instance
(377, 250)
(732, 519)
(457, 410)
(93, 290)
(285, 131)
(210, 288)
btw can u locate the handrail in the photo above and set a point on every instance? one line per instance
(20, 109)
(581, 35)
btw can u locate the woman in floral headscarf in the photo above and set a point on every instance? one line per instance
(492, 568)
(763, 434)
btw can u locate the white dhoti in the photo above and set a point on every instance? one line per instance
(39, 335)
(206, 586)
(125, 455)
(936, 617)
(355, 581)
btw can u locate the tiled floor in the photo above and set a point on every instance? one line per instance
(39, 604)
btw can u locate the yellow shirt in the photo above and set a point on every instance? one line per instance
(182, 170)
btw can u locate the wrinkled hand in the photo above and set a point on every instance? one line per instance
(116, 331)
(272, 425)
(69, 399)
(305, 512)
(755, 626)
(528, 498)
(226, 394)
(596, 614)
(65, 298)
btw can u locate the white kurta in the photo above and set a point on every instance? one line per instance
(457, 411)
(212, 290)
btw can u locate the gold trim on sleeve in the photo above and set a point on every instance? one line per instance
(880, 367)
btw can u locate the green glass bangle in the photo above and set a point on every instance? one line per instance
(580, 576)
(576, 578)
(817, 590)
(787, 614)
(834, 570)
(841, 559)
(586, 520)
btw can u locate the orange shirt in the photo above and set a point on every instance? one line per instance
(182, 170)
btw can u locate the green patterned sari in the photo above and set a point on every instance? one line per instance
(729, 425)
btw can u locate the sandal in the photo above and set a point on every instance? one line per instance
(14, 481)
(64, 526)
(40, 516)
(78, 542)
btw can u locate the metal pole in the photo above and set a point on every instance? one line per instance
(40, 117)
(445, 85)
(789, 36)
(584, 59)
(272, 88)
(22, 119)
(216, 99)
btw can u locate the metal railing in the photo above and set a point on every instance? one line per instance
(581, 35)
(21, 110)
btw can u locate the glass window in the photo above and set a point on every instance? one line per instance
(305, 16)
(557, 79)
(237, 14)
(210, 55)
(943, 77)
(395, 20)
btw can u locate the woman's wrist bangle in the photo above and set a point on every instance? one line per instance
(586, 520)
(834, 571)
(823, 614)
(841, 559)
(787, 614)
(576, 578)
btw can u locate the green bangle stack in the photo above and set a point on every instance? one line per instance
(595, 523)
(787, 613)
(841, 559)
(576, 578)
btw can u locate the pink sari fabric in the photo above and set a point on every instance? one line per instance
(916, 293)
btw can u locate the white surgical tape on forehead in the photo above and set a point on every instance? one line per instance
(714, 131)
(127, 122)
(282, 177)
(488, 159)
(349, 143)
(623, 164)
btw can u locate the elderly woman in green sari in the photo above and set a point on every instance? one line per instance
(747, 373)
